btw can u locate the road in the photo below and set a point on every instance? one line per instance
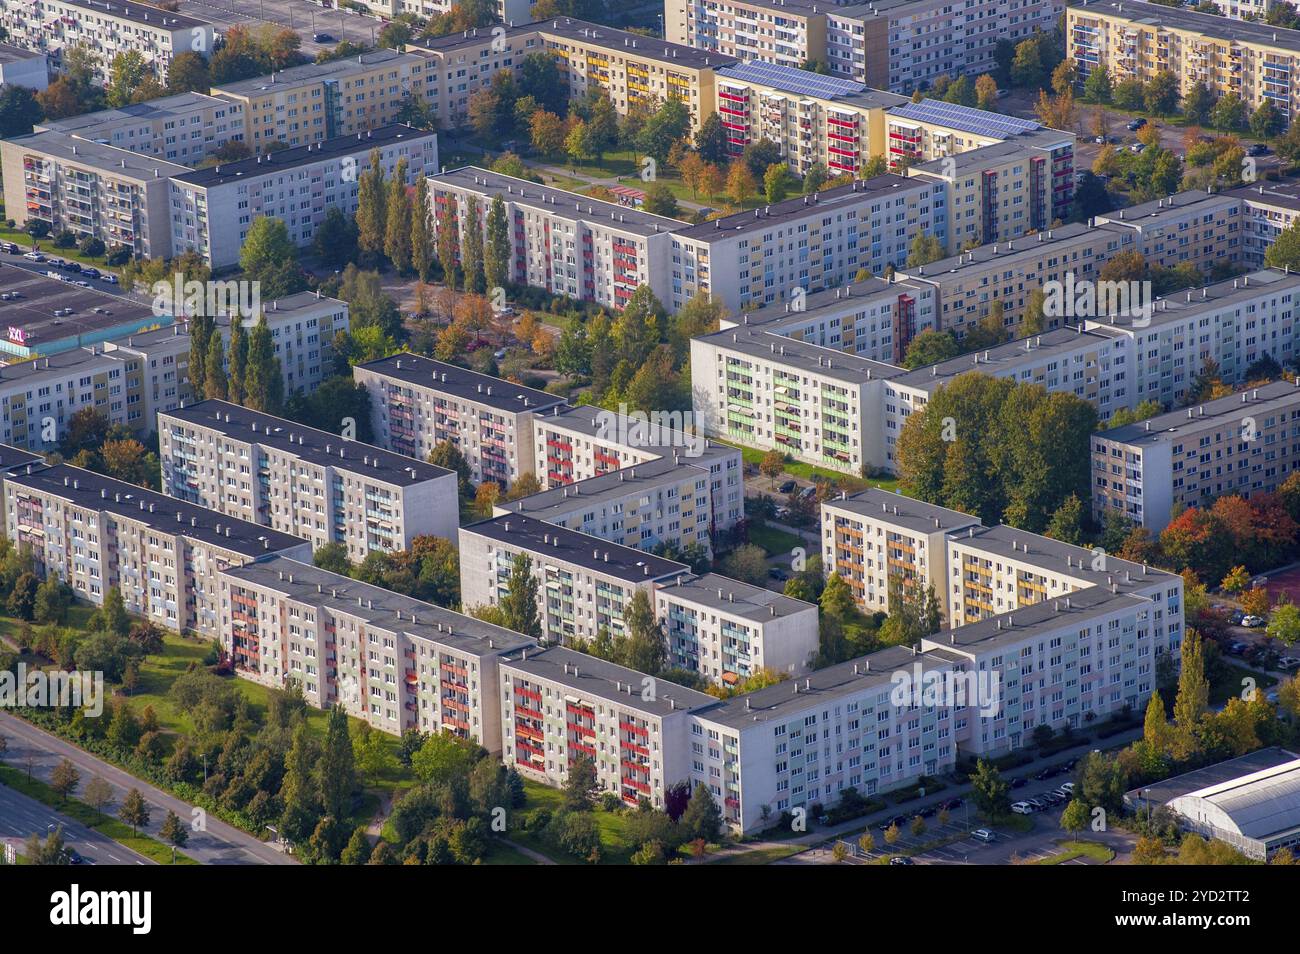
(218, 844)
(21, 816)
(303, 16)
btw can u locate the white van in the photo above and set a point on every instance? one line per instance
(984, 835)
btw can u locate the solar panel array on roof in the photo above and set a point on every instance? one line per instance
(981, 122)
(791, 79)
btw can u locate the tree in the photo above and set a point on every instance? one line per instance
(711, 140)
(19, 111)
(1027, 67)
(580, 785)
(214, 369)
(1229, 112)
(772, 464)
(778, 182)
(398, 212)
(667, 125)
(702, 818)
(51, 601)
(173, 830)
(188, 73)
(925, 249)
(358, 851)
(472, 263)
(1266, 121)
(1198, 103)
(496, 251)
(645, 648)
(134, 811)
(1160, 96)
(97, 794)
(337, 772)
(659, 200)
(740, 182)
(22, 598)
(64, 779)
(269, 256)
(126, 72)
(263, 383)
(1284, 624)
(1193, 698)
(520, 602)
(1066, 524)
(930, 347)
(372, 208)
(991, 790)
(1075, 817)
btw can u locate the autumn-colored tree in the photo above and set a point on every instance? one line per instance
(1236, 580)
(1255, 601)
(741, 185)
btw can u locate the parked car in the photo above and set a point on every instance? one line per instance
(1019, 782)
(952, 804)
(984, 835)
(1053, 798)
(1070, 765)
(1259, 149)
(1136, 124)
(499, 353)
(110, 278)
(787, 487)
(1236, 649)
(901, 860)
(1137, 147)
(1252, 621)
(74, 857)
(1067, 788)
(1022, 808)
(777, 573)
(10, 247)
(1287, 663)
(91, 272)
(1045, 774)
(1235, 617)
(899, 820)
(1037, 804)
(34, 256)
(927, 812)
(71, 266)
(808, 491)
(322, 38)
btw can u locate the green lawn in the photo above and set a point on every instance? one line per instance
(611, 825)
(499, 853)
(1231, 682)
(1078, 849)
(759, 856)
(773, 540)
(797, 468)
(83, 813)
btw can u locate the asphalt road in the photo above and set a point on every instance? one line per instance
(217, 844)
(303, 16)
(21, 816)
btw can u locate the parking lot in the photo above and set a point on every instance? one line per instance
(304, 16)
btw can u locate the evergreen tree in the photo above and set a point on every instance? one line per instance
(449, 240)
(1193, 699)
(263, 386)
(201, 328)
(371, 214)
(496, 254)
(338, 778)
(645, 648)
(397, 231)
(173, 831)
(702, 818)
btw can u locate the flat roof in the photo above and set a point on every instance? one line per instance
(1181, 305)
(735, 598)
(614, 485)
(9, 53)
(895, 508)
(791, 79)
(1284, 194)
(630, 44)
(315, 446)
(836, 300)
(59, 363)
(317, 72)
(1168, 789)
(790, 697)
(984, 156)
(860, 190)
(593, 677)
(611, 215)
(777, 348)
(13, 459)
(1175, 424)
(462, 383)
(166, 107)
(166, 514)
(1049, 616)
(978, 122)
(274, 162)
(1153, 213)
(1181, 18)
(1008, 252)
(120, 162)
(579, 549)
(313, 586)
(33, 314)
(1005, 358)
(139, 13)
(585, 419)
(1066, 559)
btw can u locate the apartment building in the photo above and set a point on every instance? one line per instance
(874, 319)
(579, 443)
(803, 742)
(1003, 191)
(767, 391)
(933, 129)
(1096, 365)
(302, 481)
(1136, 40)
(183, 129)
(558, 706)
(876, 538)
(1203, 229)
(994, 570)
(211, 210)
(322, 101)
(507, 11)
(815, 120)
(1240, 444)
(396, 662)
(903, 45)
(21, 67)
(665, 501)
(105, 28)
(784, 32)
(584, 583)
(727, 630)
(812, 242)
(90, 189)
(563, 242)
(1068, 662)
(417, 403)
(162, 554)
(1268, 209)
(1233, 323)
(631, 69)
(967, 284)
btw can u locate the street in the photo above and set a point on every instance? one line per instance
(306, 17)
(21, 816)
(216, 844)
